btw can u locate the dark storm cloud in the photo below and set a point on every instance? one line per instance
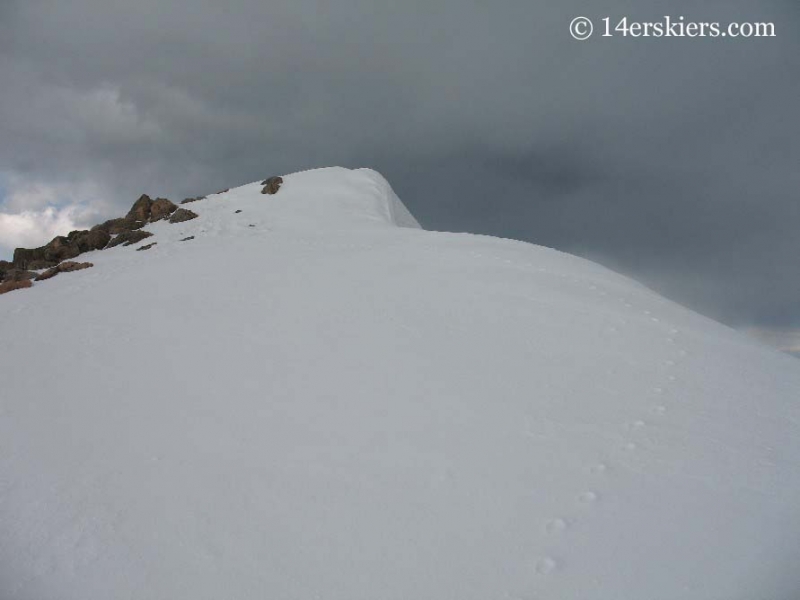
(675, 161)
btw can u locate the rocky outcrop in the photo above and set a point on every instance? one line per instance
(115, 226)
(126, 238)
(18, 275)
(186, 239)
(272, 185)
(65, 267)
(61, 248)
(161, 209)
(33, 258)
(146, 247)
(181, 215)
(140, 211)
(69, 266)
(10, 286)
(88, 240)
(54, 256)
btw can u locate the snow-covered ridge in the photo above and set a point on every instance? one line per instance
(292, 397)
(332, 197)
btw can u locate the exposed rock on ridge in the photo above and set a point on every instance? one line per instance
(127, 230)
(272, 185)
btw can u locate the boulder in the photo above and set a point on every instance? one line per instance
(181, 215)
(95, 239)
(61, 248)
(5, 266)
(18, 275)
(127, 238)
(10, 286)
(161, 209)
(271, 185)
(140, 211)
(115, 226)
(23, 257)
(69, 266)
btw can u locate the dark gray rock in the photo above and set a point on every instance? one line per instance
(19, 275)
(61, 248)
(5, 266)
(272, 185)
(94, 239)
(181, 215)
(161, 209)
(127, 238)
(23, 257)
(140, 211)
(115, 226)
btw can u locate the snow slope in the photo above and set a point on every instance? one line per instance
(316, 399)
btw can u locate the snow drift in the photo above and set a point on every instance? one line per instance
(316, 399)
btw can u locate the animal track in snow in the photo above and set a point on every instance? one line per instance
(588, 497)
(557, 525)
(546, 565)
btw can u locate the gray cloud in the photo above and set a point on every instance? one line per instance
(672, 160)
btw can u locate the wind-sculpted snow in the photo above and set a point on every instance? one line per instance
(290, 397)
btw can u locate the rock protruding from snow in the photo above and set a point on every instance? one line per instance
(140, 211)
(161, 209)
(65, 267)
(181, 215)
(127, 238)
(10, 285)
(272, 185)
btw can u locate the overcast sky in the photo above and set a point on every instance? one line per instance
(676, 161)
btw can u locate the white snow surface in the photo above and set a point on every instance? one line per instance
(315, 399)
